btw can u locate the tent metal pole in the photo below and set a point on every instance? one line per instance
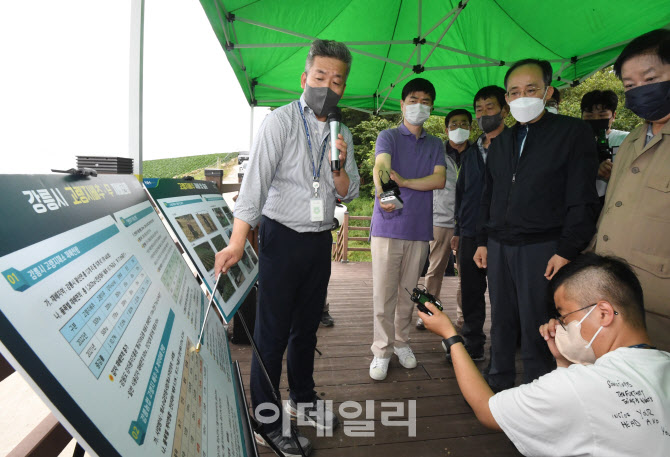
(279, 89)
(438, 23)
(462, 5)
(390, 88)
(225, 33)
(223, 25)
(456, 67)
(136, 84)
(251, 128)
(276, 29)
(305, 44)
(276, 100)
(418, 34)
(606, 48)
(252, 100)
(606, 64)
(469, 54)
(238, 60)
(356, 108)
(289, 32)
(396, 62)
(375, 43)
(560, 70)
(270, 45)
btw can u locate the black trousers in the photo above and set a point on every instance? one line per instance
(518, 291)
(294, 270)
(473, 302)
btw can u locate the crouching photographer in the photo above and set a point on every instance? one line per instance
(608, 395)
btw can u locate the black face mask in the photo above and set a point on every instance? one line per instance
(651, 102)
(598, 125)
(321, 99)
(489, 123)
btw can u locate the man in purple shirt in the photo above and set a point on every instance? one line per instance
(400, 236)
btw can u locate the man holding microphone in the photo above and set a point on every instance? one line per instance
(290, 190)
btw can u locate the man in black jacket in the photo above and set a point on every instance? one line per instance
(538, 211)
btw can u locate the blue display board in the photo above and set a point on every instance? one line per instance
(101, 314)
(203, 223)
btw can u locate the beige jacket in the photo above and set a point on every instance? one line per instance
(635, 221)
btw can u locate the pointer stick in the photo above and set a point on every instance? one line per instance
(204, 322)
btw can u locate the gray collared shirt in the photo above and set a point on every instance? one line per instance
(278, 178)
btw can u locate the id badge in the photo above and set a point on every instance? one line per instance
(316, 209)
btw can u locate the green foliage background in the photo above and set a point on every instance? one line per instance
(177, 167)
(604, 79)
(365, 128)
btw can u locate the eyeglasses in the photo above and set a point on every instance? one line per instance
(463, 125)
(531, 91)
(561, 319)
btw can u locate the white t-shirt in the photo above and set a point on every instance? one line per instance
(614, 139)
(619, 406)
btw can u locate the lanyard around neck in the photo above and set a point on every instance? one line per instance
(642, 346)
(316, 173)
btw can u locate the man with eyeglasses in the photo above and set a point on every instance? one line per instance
(537, 212)
(609, 394)
(457, 125)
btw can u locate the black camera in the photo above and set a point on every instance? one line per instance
(390, 192)
(599, 127)
(421, 296)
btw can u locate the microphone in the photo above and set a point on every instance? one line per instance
(334, 119)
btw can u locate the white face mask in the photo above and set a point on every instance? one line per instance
(552, 109)
(572, 345)
(417, 114)
(525, 109)
(459, 136)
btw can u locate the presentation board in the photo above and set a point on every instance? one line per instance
(100, 313)
(203, 223)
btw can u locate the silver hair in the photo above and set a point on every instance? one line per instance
(328, 48)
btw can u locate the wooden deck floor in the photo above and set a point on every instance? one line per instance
(445, 425)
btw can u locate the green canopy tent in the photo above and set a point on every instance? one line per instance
(460, 46)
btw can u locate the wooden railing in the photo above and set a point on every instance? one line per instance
(342, 248)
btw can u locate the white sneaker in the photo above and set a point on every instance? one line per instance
(378, 368)
(406, 357)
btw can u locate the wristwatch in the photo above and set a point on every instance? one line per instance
(448, 342)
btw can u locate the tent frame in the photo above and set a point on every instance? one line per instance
(408, 68)
(414, 64)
